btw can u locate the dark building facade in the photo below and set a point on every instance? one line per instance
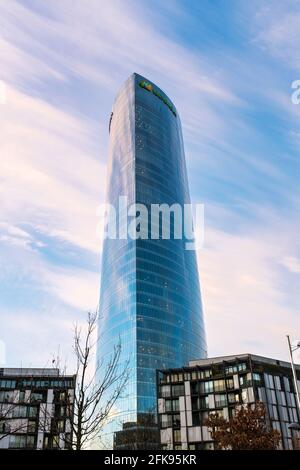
(150, 295)
(35, 409)
(186, 396)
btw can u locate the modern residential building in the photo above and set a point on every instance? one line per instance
(35, 409)
(150, 295)
(187, 395)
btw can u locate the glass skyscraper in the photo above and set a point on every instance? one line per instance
(150, 295)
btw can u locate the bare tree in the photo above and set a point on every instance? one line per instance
(8, 425)
(96, 393)
(11, 421)
(89, 407)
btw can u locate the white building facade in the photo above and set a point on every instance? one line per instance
(187, 396)
(36, 409)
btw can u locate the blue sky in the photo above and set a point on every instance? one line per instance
(228, 67)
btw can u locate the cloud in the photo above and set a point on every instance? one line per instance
(292, 264)
(62, 63)
(78, 288)
(40, 303)
(249, 304)
(38, 336)
(277, 31)
(16, 64)
(94, 50)
(50, 177)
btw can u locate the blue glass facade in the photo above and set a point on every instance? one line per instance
(150, 295)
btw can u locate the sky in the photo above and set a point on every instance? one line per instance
(228, 66)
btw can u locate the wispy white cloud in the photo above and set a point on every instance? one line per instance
(50, 177)
(52, 167)
(292, 264)
(39, 304)
(78, 288)
(277, 30)
(250, 304)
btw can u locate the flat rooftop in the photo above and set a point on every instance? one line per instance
(24, 371)
(240, 357)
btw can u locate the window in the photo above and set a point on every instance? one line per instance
(168, 405)
(275, 412)
(32, 411)
(165, 421)
(219, 385)
(231, 398)
(245, 380)
(196, 419)
(4, 427)
(17, 442)
(46, 442)
(283, 412)
(195, 387)
(292, 397)
(276, 426)
(177, 435)
(203, 402)
(206, 387)
(175, 404)
(55, 442)
(19, 412)
(293, 415)
(230, 384)
(31, 426)
(176, 421)
(220, 400)
(68, 441)
(283, 400)
(277, 382)
(245, 398)
(256, 377)
(7, 384)
(165, 391)
(36, 397)
(272, 397)
(172, 405)
(6, 397)
(208, 446)
(30, 442)
(230, 370)
(69, 411)
(195, 403)
(271, 381)
(60, 425)
(177, 390)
